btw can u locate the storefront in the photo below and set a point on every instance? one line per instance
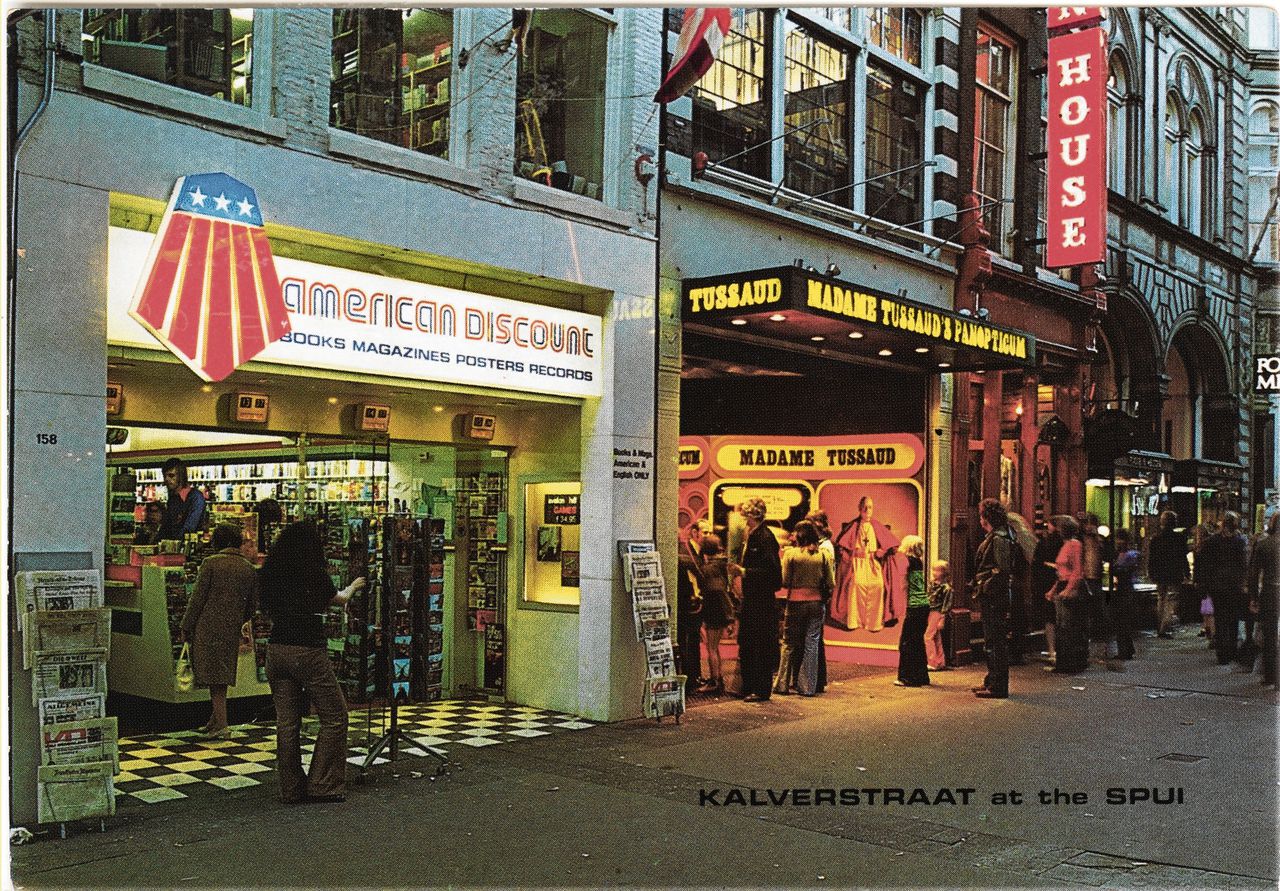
(392, 408)
(814, 392)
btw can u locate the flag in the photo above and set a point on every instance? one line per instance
(701, 36)
(209, 291)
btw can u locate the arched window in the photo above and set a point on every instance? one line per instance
(1264, 174)
(1117, 125)
(1172, 165)
(1193, 176)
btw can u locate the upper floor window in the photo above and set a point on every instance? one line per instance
(840, 16)
(898, 30)
(206, 51)
(1264, 178)
(731, 101)
(895, 146)
(1117, 125)
(817, 118)
(993, 130)
(391, 77)
(560, 107)
(1183, 165)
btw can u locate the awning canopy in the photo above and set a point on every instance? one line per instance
(790, 305)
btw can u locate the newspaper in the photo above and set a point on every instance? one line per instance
(75, 791)
(67, 709)
(46, 590)
(643, 568)
(65, 631)
(81, 742)
(658, 652)
(664, 696)
(67, 674)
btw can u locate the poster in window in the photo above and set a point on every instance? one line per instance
(495, 655)
(569, 569)
(548, 544)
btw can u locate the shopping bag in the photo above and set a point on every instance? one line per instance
(184, 676)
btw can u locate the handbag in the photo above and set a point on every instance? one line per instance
(184, 675)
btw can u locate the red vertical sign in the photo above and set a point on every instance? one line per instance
(1073, 16)
(1077, 144)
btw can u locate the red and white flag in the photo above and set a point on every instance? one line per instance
(701, 37)
(210, 292)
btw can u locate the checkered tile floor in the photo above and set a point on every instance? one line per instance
(167, 766)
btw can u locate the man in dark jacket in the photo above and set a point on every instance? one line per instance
(1264, 594)
(689, 606)
(1167, 567)
(760, 568)
(1224, 559)
(993, 574)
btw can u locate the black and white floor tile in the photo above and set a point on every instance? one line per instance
(168, 766)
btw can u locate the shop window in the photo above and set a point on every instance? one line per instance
(993, 123)
(817, 116)
(560, 101)
(897, 30)
(392, 76)
(731, 101)
(895, 142)
(206, 51)
(552, 542)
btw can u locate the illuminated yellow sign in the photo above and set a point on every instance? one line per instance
(744, 294)
(820, 457)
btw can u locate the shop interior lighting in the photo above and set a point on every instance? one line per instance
(886, 352)
(944, 364)
(738, 322)
(1183, 489)
(856, 335)
(777, 317)
(922, 349)
(817, 338)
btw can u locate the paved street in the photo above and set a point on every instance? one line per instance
(620, 804)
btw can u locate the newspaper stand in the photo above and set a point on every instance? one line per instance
(404, 550)
(642, 575)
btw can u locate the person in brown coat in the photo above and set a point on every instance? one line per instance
(226, 591)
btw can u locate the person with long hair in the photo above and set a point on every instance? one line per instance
(224, 597)
(819, 519)
(1069, 596)
(184, 511)
(296, 591)
(718, 610)
(806, 572)
(913, 665)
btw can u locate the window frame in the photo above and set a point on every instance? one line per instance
(1000, 235)
(1267, 175)
(258, 117)
(852, 104)
(1118, 124)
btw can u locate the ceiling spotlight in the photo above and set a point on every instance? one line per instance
(944, 364)
(206, 389)
(817, 338)
(813, 269)
(886, 352)
(798, 263)
(922, 349)
(738, 322)
(856, 335)
(833, 270)
(437, 408)
(333, 400)
(984, 313)
(966, 311)
(777, 317)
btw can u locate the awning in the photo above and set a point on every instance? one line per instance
(1201, 473)
(788, 305)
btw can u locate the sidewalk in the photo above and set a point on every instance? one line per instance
(620, 804)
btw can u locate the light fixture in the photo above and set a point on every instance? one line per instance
(922, 349)
(333, 400)
(1018, 411)
(777, 317)
(813, 269)
(966, 312)
(984, 313)
(833, 270)
(817, 338)
(738, 322)
(886, 352)
(206, 389)
(437, 408)
(798, 263)
(944, 364)
(856, 335)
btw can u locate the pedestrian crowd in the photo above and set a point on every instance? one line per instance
(1076, 580)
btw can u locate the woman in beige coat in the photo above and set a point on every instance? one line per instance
(226, 591)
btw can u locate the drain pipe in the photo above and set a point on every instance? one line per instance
(50, 69)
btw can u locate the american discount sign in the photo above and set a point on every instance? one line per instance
(1077, 168)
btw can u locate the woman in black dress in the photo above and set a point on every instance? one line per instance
(718, 609)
